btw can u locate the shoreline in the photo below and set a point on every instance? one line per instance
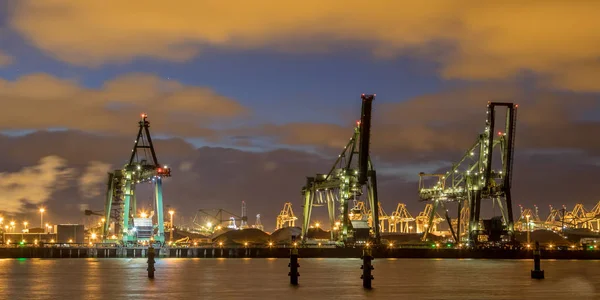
(137, 252)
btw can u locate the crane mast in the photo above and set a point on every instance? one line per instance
(344, 182)
(121, 205)
(474, 179)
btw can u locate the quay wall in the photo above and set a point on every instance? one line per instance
(121, 252)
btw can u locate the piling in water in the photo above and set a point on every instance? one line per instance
(367, 267)
(151, 262)
(537, 272)
(293, 265)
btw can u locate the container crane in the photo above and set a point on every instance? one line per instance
(344, 183)
(401, 216)
(472, 179)
(286, 217)
(121, 205)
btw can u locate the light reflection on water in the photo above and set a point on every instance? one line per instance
(320, 279)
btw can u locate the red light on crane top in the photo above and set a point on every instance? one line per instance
(144, 115)
(357, 123)
(499, 133)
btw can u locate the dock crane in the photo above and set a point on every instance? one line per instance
(472, 179)
(401, 216)
(121, 206)
(344, 183)
(286, 217)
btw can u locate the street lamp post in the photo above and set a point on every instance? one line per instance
(42, 210)
(171, 212)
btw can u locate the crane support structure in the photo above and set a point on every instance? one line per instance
(473, 179)
(121, 206)
(344, 183)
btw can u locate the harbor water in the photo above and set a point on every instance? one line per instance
(320, 278)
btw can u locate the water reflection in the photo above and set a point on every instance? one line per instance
(320, 279)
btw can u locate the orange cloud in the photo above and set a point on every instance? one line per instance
(40, 101)
(5, 59)
(482, 40)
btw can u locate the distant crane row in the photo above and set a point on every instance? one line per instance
(401, 220)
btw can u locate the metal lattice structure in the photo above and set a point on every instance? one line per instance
(286, 217)
(344, 183)
(401, 217)
(472, 179)
(562, 219)
(258, 224)
(121, 205)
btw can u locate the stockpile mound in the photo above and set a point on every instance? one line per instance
(179, 234)
(318, 234)
(543, 237)
(249, 235)
(409, 238)
(285, 234)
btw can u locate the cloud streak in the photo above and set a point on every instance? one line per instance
(90, 182)
(34, 184)
(481, 40)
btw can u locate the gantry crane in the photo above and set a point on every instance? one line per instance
(579, 217)
(120, 205)
(423, 219)
(528, 219)
(383, 217)
(358, 211)
(400, 216)
(345, 182)
(286, 217)
(473, 179)
(595, 213)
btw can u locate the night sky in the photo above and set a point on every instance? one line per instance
(247, 98)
